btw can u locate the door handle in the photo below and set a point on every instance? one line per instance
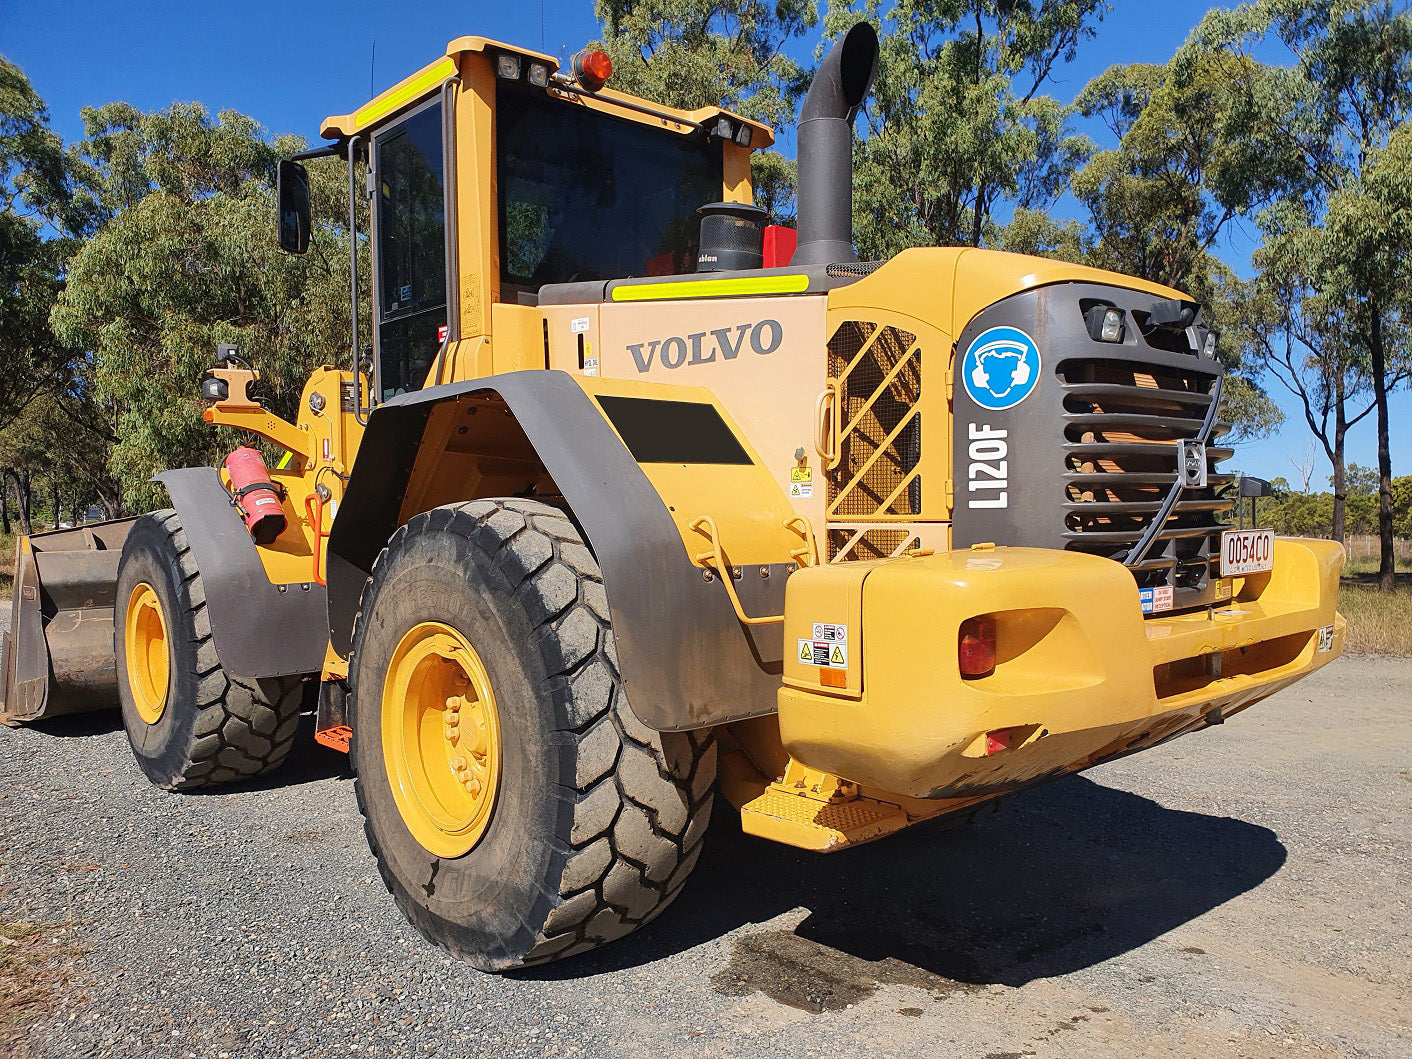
(826, 442)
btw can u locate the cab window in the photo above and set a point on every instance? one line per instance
(586, 195)
(411, 238)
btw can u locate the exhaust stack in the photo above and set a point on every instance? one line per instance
(826, 148)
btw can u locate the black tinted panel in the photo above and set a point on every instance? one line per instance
(673, 431)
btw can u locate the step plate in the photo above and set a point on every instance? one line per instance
(808, 823)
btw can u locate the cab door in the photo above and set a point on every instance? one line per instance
(409, 237)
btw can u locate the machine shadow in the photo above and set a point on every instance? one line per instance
(77, 725)
(1063, 877)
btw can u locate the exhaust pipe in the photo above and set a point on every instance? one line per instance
(826, 148)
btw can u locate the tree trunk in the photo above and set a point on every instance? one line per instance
(21, 484)
(1340, 465)
(1387, 557)
(4, 509)
(58, 510)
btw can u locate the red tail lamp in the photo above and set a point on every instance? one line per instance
(975, 650)
(592, 69)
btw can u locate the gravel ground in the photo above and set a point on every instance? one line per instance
(1239, 892)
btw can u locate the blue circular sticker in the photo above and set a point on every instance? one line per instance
(1001, 368)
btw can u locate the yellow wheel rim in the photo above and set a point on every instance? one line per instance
(441, 738)
(149, 662)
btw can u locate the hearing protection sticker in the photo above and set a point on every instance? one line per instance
(801, 483)
(828, 649)
(1001, 368)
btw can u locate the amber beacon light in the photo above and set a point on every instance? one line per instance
(592, 69)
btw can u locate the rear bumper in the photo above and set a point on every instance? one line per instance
(1081, 676)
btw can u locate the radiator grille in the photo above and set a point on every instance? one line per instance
(1122, 425)
(879, 374)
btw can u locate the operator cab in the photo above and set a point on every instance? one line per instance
(586, 185)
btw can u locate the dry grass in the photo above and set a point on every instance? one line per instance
(7, 566)
(35, 964)
(1378, 622)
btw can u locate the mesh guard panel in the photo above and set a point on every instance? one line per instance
(880, 381)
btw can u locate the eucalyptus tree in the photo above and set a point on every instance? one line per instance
(960, 128)
(728, 53)
(185, 256)
(1329, 114)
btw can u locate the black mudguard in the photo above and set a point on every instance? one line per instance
(260, 629)
(685, 659)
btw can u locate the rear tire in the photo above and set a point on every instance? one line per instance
(202, 726)
(596, 820)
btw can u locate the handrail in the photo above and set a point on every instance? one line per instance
(353, 270)
(715, 558)
(826, 437)
(810, 552)
(314, 508)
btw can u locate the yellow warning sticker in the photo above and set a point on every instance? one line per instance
(801, 483)
(806, 652)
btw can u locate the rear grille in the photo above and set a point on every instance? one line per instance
(1088, 456)
(879, 375)
(1122, 424)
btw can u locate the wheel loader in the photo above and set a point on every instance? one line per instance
(625, 497)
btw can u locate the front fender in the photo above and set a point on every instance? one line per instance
(685, 659)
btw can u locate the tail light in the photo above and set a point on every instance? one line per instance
(975, 650)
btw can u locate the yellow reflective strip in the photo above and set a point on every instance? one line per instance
(712, 288)
(403, 94)
(285, 461)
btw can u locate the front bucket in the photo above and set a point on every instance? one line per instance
(57, 655)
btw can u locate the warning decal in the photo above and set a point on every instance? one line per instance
(801, 483)
(829, 647)
(824, 654)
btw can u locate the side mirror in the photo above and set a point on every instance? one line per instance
(292, 190)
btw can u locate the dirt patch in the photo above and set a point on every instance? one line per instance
(811, 977)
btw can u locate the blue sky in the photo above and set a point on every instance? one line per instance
(290, 64)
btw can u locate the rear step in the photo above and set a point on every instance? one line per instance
(57, 655)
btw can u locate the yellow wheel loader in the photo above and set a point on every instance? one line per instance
(631, 497)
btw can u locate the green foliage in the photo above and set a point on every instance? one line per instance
(696, 53)
(186, 257)
(958, 123)
(1162, 197)
(35, 194)
(1326, 313)
(1312, 514)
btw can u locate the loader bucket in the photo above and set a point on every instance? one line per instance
(57, 655)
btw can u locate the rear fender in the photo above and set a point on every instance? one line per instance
(260, 629)
(685, 659)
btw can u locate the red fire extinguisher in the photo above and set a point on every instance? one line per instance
(258, 497)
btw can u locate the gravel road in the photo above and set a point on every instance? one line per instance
(1239, 892)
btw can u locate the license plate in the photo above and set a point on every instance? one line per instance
(1247, 551)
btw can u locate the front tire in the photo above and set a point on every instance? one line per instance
(565, 822)
(189, 722)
